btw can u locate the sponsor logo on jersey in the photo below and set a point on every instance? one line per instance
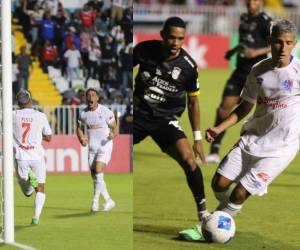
(287, 85)
(158, 72)
(273, 103)
(154, 95)
(165, 85)
(263, 176)
(175, 73)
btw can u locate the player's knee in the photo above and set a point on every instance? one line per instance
(239, 195)
(218, 184)
(189, 163)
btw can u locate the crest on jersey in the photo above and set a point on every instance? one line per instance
(288, 85)
(175, 73)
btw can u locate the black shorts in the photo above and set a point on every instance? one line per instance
(165, 132)
(235, 83)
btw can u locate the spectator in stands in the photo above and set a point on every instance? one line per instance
(127, 24)
(74, 62)
(71, 39)
(47, 27)
(94, 55)
(49, 56)
(85, 43)
(126, 61)
(110, 79)
(24, 64)
(87, 18)
(117, 9)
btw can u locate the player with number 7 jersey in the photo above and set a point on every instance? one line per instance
(30, 128)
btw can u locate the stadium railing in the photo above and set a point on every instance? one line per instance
(221, 20)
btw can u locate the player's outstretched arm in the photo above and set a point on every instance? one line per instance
(194, 117)
(242, 110)
(80, 134)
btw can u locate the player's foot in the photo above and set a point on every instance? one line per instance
(34, 221)
(213, 158)
(95, 206)
(108, 205)
(204, 215)
(193, 234)
(32, 179)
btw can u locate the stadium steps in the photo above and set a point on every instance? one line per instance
(40, 86)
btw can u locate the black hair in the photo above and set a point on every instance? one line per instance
(91, 89)
(174, 22)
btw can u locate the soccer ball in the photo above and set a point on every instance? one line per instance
(219, 228)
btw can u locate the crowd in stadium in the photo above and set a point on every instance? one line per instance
(268, 3)
(91, 44)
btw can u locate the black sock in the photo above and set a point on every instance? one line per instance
(195, 182)
(215, 146)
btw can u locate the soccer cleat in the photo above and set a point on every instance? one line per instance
(32, 179)
(193, 234)
(108, 205)
(34, 221)
(213, 158)
(95, 206)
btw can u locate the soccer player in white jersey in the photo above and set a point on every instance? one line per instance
(30, 127)
(270, 138)
(101, 129)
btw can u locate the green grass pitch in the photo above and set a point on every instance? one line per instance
(66, 222)
(163, 205)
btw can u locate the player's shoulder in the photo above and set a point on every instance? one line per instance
(264, 16)
(261, 67)
(189, 61)
(296, 62)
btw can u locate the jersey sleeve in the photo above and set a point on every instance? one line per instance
(193, 85)
(109, 116)
(46, 127)
(249, 92)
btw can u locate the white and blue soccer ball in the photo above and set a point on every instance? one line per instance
(219, 227)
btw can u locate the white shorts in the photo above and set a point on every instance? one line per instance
(100, 154)
(254, 173)
(38, 167)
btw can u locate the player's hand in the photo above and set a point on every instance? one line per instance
(198, 151)
(84, 141)
(211, 133)
(250, 53)
(111, 136)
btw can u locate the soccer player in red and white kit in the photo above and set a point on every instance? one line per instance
(101, 129)
(30, 127)
(270, 138)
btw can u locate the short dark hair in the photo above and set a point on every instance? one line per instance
(92, 89)
(173, 22)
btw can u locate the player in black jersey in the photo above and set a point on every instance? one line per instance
(252, 48)
(168, 76)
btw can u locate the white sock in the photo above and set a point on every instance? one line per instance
(39, 204)
(223, 198)
(100, 187)
(232, 208)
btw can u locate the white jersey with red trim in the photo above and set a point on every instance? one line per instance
(97, 122)
(274, 127)
(29, 126)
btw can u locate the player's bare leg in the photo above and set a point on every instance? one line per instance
(100, 188)
(182, 152)
(227, 104)
(231, 199)
(39, 202)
